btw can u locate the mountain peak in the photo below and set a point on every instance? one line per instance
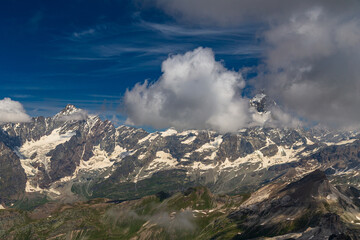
(69, 109)
(70, 112)
(261, 102)
(314, 184)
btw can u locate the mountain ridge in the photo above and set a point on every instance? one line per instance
(279, 179)
(55, 151)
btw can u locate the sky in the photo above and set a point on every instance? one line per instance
(89, 52)
(142, 62)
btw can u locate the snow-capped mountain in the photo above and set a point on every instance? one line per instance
(79, 155)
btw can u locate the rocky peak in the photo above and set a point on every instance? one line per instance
(261, 102)
(70, 112)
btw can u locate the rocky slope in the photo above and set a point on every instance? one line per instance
(310, 208)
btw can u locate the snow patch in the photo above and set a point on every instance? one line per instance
(31, 188)
(201, 166)
(212, 156)
(188, 132)
(341, 142)
(258, 97)
(150, 137)
(141, 156)
(284, 155)
(309, 142)
(100, 161)
(169, 132)
(211, 145)
(39, 149)
(162, 160)
(118, 152)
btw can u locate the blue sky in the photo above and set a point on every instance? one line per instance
(89, 52)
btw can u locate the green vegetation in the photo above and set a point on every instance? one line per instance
(195, 213)
(192, 214)
(30, 203)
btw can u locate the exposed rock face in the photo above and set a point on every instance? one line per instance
(270, 150)
(312, 185)
(311, 207)
(12, 175)
(65, 157)
(262, 103)
(9, 141)
(340, 155)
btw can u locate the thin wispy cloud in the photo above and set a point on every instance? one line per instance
(116, 49)
(176, 30)
(85, 33)
(107, 42)
(34, 22)
(105, 96)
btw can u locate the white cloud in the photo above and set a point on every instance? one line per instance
(76, 116)
(311, 58)
(84, 33)
(71, 113)
(195, 91)
(12, 111)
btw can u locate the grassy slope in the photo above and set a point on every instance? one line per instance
(196, 213)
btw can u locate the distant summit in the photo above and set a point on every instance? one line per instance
(262, 103)
(70, 112)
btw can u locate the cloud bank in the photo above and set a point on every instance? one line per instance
(241, 12)
(194, 91)
(312, 67)
(197, 92)
(12, 112)
(311, 58)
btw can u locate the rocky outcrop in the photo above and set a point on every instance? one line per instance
(310, 207)
(12, 175)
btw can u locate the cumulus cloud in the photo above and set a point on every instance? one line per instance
(197, 92)
(194, 91)
(12, 111)
(311, 57)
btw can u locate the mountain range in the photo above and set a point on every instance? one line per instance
(283, 183)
